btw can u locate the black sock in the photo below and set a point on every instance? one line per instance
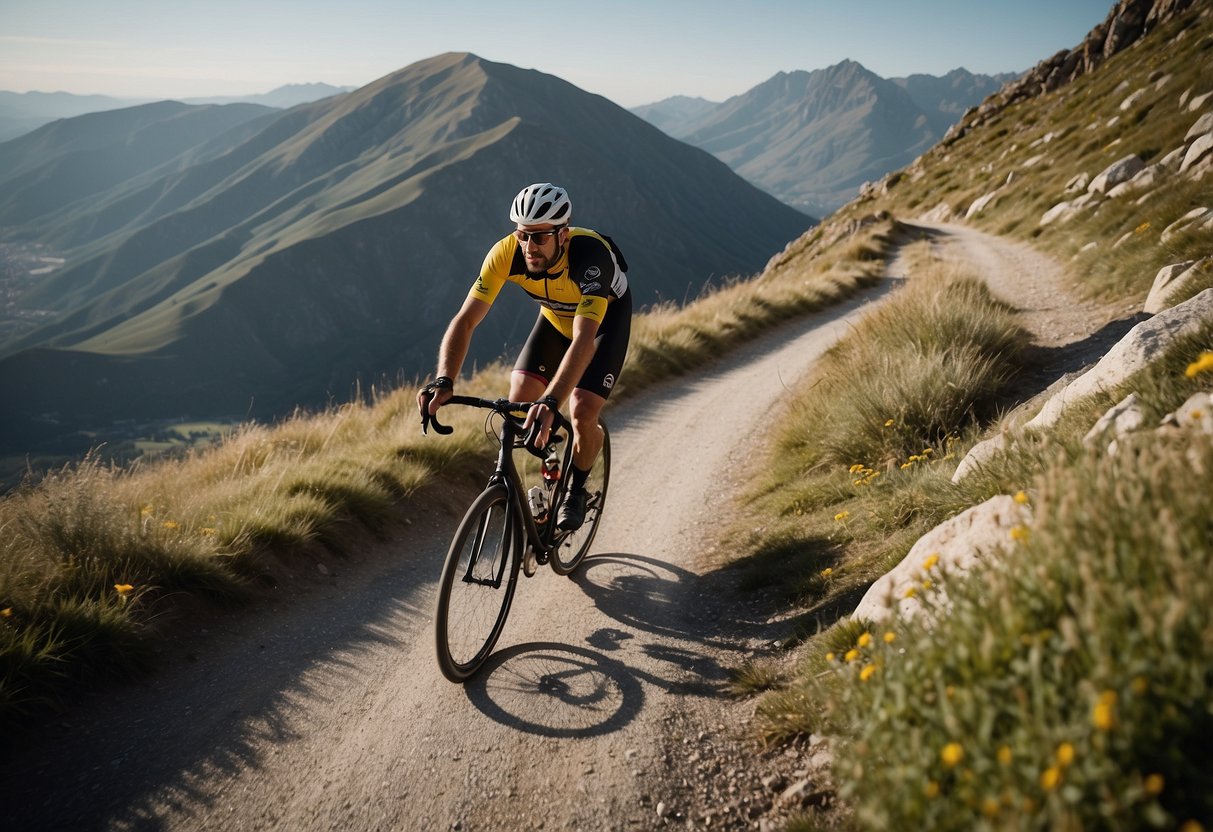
(577, 481)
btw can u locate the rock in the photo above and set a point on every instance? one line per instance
(1162, 81)
(1061, 212)
(1198, 102)
(1143, 344)
(1203, 125)
(940, 213)
(1078, 183)
(1194, 414)
(1197, 152)
(1122, 418)
(1171, 281)
(952, 547)
(979, 455)
(662, 809)
(1185, 223)
(1174, 159)
(1133, 99)
(1119, 171)
(1146, 178)
(980, 204)
(796, 793)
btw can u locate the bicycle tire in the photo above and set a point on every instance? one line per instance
(575, 545)
(471, 613)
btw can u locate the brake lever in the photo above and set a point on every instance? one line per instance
(428, 420)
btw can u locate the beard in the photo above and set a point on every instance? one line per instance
(539, 270)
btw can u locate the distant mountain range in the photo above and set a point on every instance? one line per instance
(812, 138)
(21, 113)
(235, 259)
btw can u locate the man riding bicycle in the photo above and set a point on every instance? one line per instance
(577, 347)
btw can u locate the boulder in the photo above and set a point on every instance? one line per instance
(940, 213)
(979, 455)
(1193, 219)
(1203, 125)
(1196, 414)
(1122, 418)
(980, 204)
(950, 549)
(1061, 212)
(1120, 171)
(1198, 102)
(1078, 183)
(1174, 159)
(1142, 345)
(1146, 178)
(1133, 99)
(1197, 151)
(1171, 281)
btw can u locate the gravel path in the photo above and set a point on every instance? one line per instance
(603, 707)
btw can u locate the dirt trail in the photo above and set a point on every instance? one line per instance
(330, 713)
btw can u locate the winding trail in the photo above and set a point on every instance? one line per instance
(328, 711)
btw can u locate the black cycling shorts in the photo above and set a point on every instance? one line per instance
(546, 345)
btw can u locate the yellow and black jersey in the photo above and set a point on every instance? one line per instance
(589, 275)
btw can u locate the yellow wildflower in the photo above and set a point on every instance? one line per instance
(7, 612)
(207, 531)
(1103, 715)
(1005, 755)
(910, 592)
(122, 589)
(1154, 785)
(1141, 229)
(990, 807)
(928, 451)
(145, 511)
(890, 637)
(1203, 364)
(931, 789)
(864, 639)
(829, 657)
(951, 754)
(927, 584)
(827, 572)
(867, 672)
(1049, 778)
(851, 655)
(1021, 497)
(1191, 826)
(889, 423)
(906, 465)
(930, 561)
(1065, 754)
(856, 468)
(842, 515)
(1019, 534)
(170, 524)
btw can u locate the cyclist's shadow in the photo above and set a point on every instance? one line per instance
(562, 690)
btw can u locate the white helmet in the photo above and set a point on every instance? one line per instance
(541, 203)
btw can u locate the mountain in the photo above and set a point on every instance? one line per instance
(812, 138)
(944, 100)
(22, 113)
(673, 114)
(277, 263)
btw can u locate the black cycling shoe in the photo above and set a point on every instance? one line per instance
(572, 513)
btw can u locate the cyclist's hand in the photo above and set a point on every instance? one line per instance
(434, 395)
(542, 412)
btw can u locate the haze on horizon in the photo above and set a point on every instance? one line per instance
(631, 51)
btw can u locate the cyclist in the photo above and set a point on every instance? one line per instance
(576, 349)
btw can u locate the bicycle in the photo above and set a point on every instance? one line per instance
(505, 526)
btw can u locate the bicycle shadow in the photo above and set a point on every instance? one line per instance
(678, 634)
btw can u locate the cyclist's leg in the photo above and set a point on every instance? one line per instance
(537, 361)
(599, 378)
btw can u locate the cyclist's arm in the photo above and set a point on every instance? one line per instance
(576, 359)
(455, 345)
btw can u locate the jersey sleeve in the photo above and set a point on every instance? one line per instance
(595, 274)
(493, 271)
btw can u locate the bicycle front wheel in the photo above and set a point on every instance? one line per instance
(477, 584)
(575, 545)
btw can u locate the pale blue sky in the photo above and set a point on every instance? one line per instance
(631, 51)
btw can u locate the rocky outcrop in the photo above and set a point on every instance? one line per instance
(949, 550)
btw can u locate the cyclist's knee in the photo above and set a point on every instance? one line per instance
(584, 407)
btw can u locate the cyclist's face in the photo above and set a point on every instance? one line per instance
(540, 245)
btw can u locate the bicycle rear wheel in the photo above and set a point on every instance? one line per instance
(477, 584)
(573, 549)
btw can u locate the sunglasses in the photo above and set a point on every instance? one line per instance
(537, 237)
